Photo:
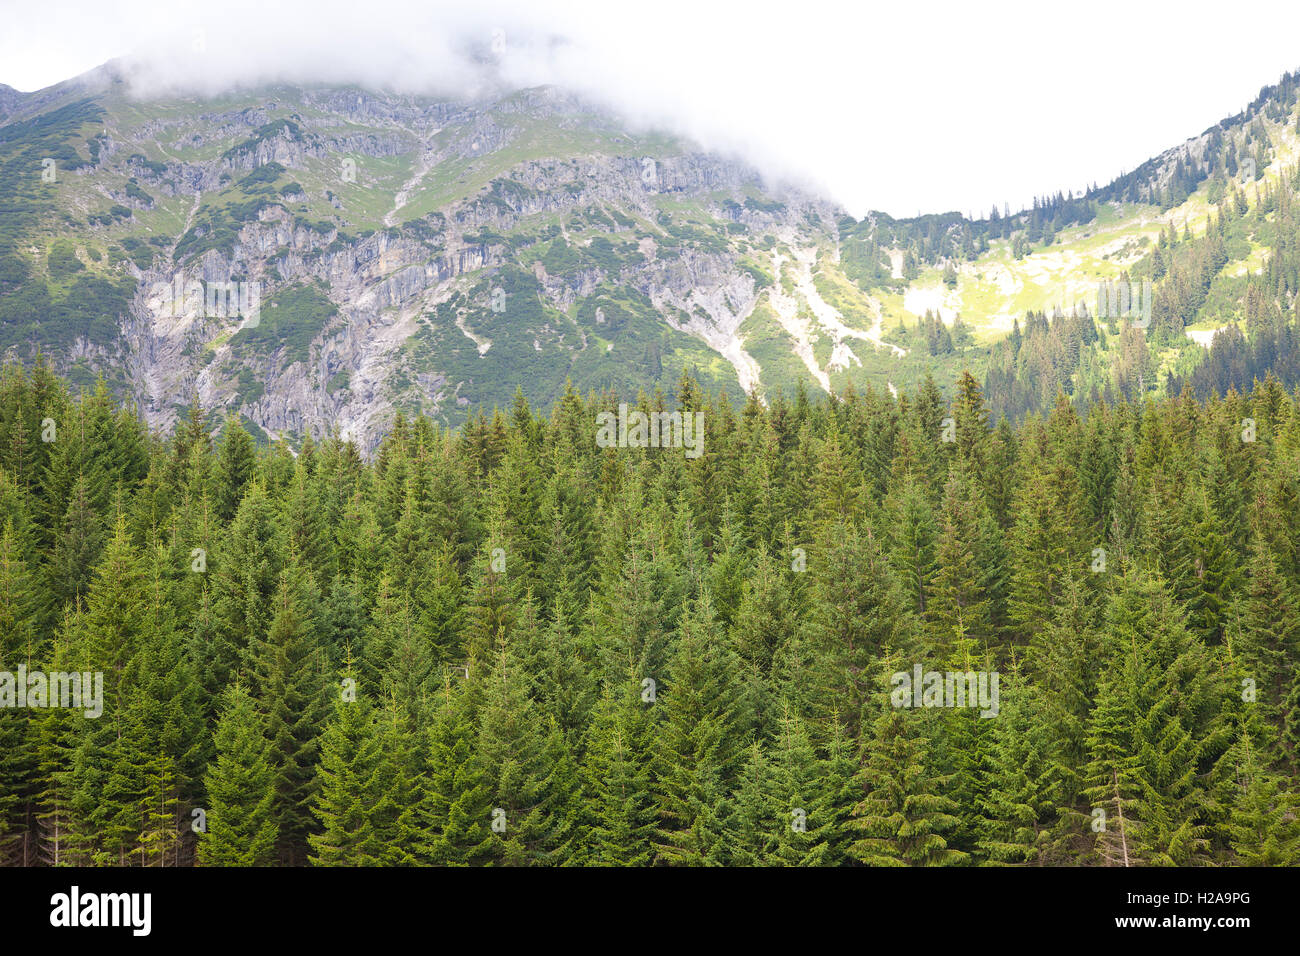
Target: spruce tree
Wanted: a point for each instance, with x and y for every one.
(354, 798)
(240, 827)
(903, 817)
(699, 746)
(619, 812)
(290, 688)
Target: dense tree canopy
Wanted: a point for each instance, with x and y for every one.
(508, 645)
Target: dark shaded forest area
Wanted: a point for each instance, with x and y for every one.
(507, 645)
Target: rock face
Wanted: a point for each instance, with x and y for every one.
(412, 254)
(9, 100)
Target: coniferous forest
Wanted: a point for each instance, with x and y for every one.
(508, 645)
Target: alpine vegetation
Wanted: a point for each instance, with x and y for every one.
(504, 644)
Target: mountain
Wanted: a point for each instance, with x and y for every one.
(431, 255)
(9, 99)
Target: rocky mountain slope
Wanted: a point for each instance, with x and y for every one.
(409, 253)
(421, 254)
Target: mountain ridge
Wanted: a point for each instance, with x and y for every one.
(385, 229)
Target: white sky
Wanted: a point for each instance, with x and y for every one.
(906, 107)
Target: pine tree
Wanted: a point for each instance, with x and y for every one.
(516, 744)
(236, 462)
(1063, 662)
(289, 686)
(804, 798)
(240, 826)
(17, 648)
(857, 618)
(1154, 733)
(903, 817)
(399, 657)
(1016, 803)
(1045, 551)
(619, 811)
(968, 581)
(912, 534)
(698, 748)
(247, 574)
(454, 813)
(1264, 824)
(355, 796)
(766, 617)
(490, 610)
(1267, 633)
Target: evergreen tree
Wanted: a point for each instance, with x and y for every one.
(290, 689)
(356, 795)
(455, 807)
(619, 812)
(1264, 826)
(240, 827)
(698, 748)
(903, 816)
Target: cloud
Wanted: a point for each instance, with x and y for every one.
(904, 107)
